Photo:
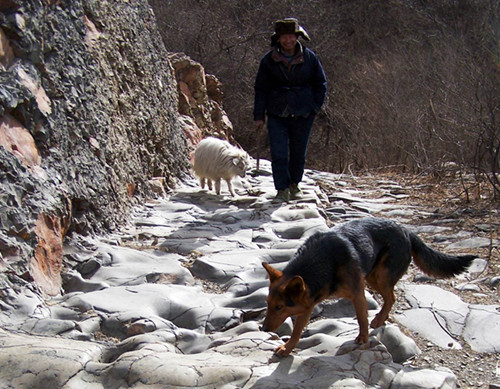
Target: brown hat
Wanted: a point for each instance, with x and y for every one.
(288, 26)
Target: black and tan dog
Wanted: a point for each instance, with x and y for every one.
(339, 262)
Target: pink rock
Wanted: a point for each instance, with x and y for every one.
(17, 140)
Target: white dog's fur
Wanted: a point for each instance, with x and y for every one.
(216, 159)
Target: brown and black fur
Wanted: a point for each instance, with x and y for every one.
(339, 262)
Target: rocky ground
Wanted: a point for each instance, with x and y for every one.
(175, 299)
(465, 207)
(482, 218)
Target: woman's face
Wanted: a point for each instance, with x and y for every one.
(288, 42)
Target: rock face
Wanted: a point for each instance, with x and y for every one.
(200, 101)
(89, 115)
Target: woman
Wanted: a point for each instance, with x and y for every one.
(290, 88)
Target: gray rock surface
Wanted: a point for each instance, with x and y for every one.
(176, 298)
(88, 115)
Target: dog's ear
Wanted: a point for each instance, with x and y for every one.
(295, 287)
(272, 272)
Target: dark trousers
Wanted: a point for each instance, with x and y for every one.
(288, 138)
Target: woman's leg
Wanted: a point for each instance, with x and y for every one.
(278, 141)
(299, 138)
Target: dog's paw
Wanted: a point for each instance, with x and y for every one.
(377, 322)
(361, 339)
(282, 351)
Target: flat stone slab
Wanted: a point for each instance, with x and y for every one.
(443, 318)
(483, 328)
(26, 361)
(473, 243)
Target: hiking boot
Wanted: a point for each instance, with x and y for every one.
(282, 196)
(295, 192)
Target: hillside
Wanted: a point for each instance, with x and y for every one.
(413, 85)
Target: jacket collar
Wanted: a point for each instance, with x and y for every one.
(297, 58)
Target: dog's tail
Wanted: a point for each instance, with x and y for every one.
(435, 263)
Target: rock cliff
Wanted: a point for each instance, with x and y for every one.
(89, 124)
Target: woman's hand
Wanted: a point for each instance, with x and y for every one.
(259, 124)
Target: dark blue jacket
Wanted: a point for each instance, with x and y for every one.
(289, 88)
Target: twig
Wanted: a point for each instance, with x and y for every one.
(490, 248)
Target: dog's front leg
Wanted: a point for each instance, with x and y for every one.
(300, 323)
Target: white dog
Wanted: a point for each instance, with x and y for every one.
(216, 159)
